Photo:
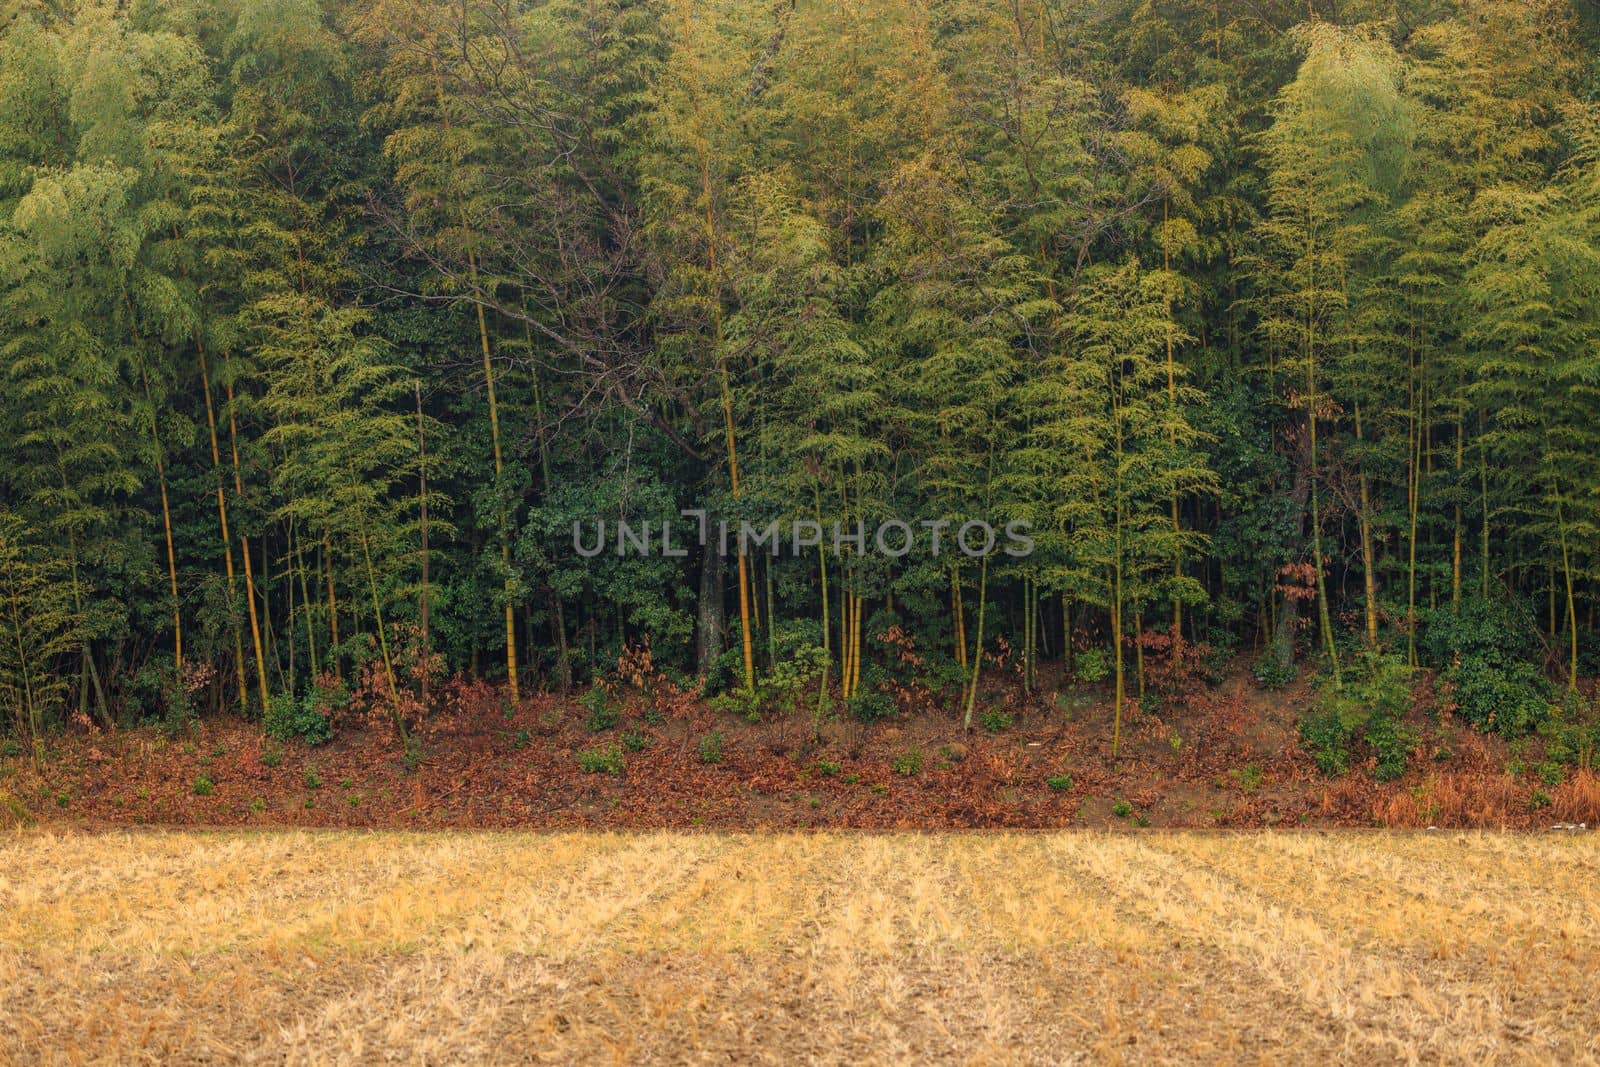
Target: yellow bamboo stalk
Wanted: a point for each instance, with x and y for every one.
(244, 546)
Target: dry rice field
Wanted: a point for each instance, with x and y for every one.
(310, 948)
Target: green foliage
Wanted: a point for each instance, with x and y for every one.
(711, 747)
(635, 741)
(1328, 734)
(1572, 744)
(745, 703)
(1369, 709)
(1508, 699)
(1496, 631)
(1122, 809)
(907, 764)
(995, 721)
(606, 759)
(725, 673)
(1259, 317)
(204, 786)
(871, 703)
(602, 709)
(1272, 673)
(1060, 783)
(289, 718)
(1092, 666)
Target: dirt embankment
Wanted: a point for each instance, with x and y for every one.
(1229, 757)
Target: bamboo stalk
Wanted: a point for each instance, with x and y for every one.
(244, 546)
(222, 516)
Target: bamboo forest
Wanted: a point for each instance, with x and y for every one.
(337, 334)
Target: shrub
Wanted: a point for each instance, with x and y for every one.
(1272, 672)
(313, 780)
(1392, 742)
(289, 717)
(204, 786)
(790, 678)
(995, 721)
(1060, 782)
(870, 703)
(607, 759)
(1092, 665)
(1572, 743)
(1249, 777)
(602, 709)
(1485, 650)
(725, 672)
(828, 768)
(745, 703)
(635, 741)
(1122, 809)
(1497, 631)
(1508, 699)
(1370, 709)
(711, 747)
(938, 672)
(1327, 735)
(908, 764)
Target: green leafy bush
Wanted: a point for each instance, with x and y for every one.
(711, 747)
(725, 672)
(1574, 744)
(204, 786)
(1392, 742)
(1061, 783)
(1369, 709)
(870, 703)
(995, 721)
(607, 759)
(1122, 809)
(635, 741)
(602, 709)
(782, 687)
(908, 764)
(1485, 651)
(1092, 665)
(1509, 699)
(1272, 673)
(289, 717)
(1328, 734)
(1498, 631)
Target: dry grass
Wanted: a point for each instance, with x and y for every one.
(574, 948)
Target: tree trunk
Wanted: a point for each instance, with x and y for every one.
(711, 628)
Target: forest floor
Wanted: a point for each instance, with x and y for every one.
(577, 947)
(1230, 756)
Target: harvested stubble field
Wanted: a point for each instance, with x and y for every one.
(304, 947)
